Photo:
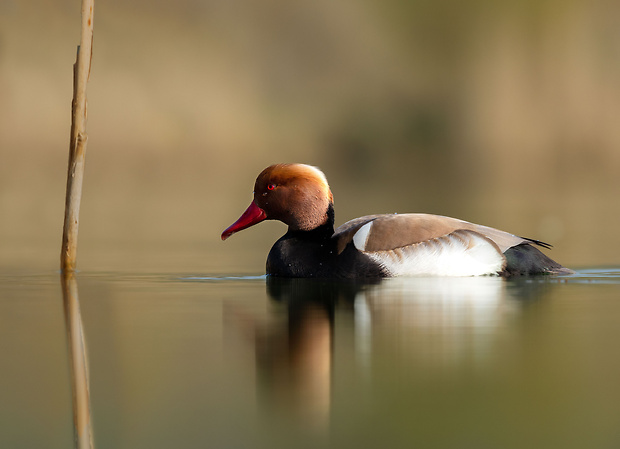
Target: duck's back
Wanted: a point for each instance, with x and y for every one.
(423, 244)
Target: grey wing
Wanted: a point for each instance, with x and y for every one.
(387, 232)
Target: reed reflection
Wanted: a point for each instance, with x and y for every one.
(78, 362)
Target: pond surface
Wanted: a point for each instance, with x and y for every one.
(191, 360)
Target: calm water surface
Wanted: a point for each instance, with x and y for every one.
(192, 360)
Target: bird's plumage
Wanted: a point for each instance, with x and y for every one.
(377, 245)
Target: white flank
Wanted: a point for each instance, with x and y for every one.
(361, 236)
(462, 253)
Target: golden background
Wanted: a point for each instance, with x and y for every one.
(501, 113)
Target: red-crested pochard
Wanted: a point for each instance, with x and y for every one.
(377, 245)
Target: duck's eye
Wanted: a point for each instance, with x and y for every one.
(271, 186)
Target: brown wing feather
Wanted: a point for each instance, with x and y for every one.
(344, 233)
(399, 230)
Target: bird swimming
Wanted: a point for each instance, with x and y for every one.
(377, 246)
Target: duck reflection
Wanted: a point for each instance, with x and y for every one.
(78, 361)
(431, 321)
(294, 358)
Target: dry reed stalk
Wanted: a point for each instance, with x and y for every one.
(77, 145)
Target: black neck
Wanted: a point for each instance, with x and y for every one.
(323, 232)
(331, 216)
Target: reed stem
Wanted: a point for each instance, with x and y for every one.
(77, 144)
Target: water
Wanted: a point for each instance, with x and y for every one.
(234, 361)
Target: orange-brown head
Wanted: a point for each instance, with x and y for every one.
(296, 194)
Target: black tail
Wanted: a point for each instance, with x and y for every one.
(525, 259)
(539, 243)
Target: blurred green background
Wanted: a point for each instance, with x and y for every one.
(501, 113)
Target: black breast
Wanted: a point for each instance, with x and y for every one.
(292, 256)
(311, 254)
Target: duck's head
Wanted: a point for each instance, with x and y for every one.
(296, 194)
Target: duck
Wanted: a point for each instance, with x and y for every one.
(377, 246)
